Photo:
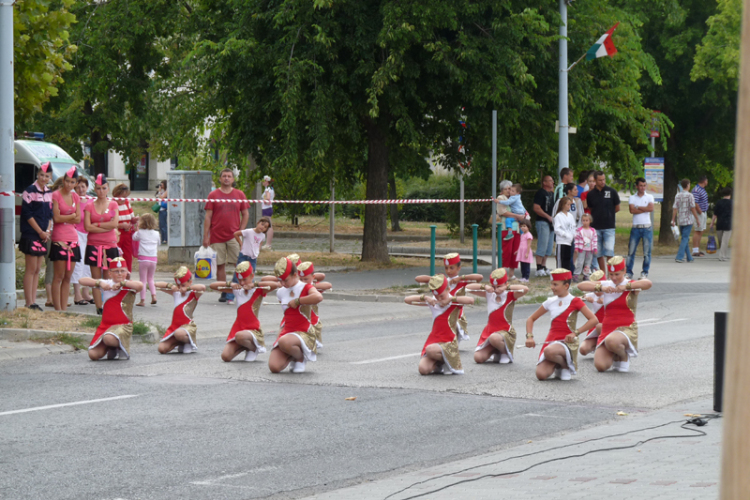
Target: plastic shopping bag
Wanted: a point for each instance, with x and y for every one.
(676, 232)
(711, 246)
(205, 263)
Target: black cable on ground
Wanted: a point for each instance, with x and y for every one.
(698, 421)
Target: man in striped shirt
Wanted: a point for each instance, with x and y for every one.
(701, 206)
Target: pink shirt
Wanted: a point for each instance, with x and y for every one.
(108, 239)
(80, 227)
(524, 248)
(65, 231)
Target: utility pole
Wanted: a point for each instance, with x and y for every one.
(562, 145)
(493, 229)
(7, 174)
(735, 463)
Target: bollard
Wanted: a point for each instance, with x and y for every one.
(499, 245)
(720, 337)
(474, 228)
(432, 250)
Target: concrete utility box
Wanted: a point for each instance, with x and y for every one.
(186, 219)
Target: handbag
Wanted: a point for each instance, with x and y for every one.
(711, 245)
(156, 207)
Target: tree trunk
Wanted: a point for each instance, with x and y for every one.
(374, 243)
(670, 191)
(98, 154)
(393, 207)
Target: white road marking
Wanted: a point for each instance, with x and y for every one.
(50, 407)
(662, 322)
(367, 362)
(215, 481)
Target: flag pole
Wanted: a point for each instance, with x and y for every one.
(579, 60)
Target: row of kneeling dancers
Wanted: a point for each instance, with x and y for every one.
(608, 306)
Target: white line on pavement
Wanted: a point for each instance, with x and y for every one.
(367, 362)
(662, 322)
(49, 407)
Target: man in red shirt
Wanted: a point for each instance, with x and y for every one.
(222, 220)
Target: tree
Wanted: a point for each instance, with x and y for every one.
(41, 52)
(702, 111)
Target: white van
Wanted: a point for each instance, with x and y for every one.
(29, 156)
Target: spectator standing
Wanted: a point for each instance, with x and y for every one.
(544, 200)
(101, 218)
(686, 214)
(576, 205)
(266, 207)
(126, 225)
(583, 184)
(566, 177)
(565, 231)
(148, 255)
(82, 295)
(221, 222)
(641, 205)
(604, 203)
(162, 194)
(36, 225)
(250, 241)
(590, 183)
(701, 206)
(510, 240)
(723, 220)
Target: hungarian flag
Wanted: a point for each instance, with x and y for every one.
(604, 46)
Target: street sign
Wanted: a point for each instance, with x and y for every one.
(654, 173)
(655, 125)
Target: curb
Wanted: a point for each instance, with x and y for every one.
(21, 334)
(362, 298)
(466, 253)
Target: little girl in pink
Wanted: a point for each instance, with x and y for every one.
(524, 254)
(149, 239)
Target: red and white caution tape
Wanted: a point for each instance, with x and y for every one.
(304, 202)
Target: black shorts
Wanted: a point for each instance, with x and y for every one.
(58, 252)
(34, 247)
(92, 252)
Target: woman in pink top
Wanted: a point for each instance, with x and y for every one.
(66, 213)
(101, 219)
(82, 294)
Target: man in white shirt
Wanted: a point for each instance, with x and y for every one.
(641, 206)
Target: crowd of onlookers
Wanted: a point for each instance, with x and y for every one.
(576, 221)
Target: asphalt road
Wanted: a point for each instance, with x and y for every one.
(200, 428)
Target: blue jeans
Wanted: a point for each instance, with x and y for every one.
(242, 258)
(545, 238)
(163, 224)
(636, 235)
(606, 242)
(684, 250)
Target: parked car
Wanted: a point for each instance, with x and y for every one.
(29, 155)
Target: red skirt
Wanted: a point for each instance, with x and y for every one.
(126, 245)
(510, 247)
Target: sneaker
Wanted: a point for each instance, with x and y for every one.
(504, 359)
(586, 271)
(644, 276)
(621, 366)
(298, 367)
(629, 276)
(538, 273)
(250, 356)
(230, 302)
(318, 345)
(223, 297)
(187, 349)
(576, 279)
(565, 374)
(545, 272)
(463, 336)
(679, 261)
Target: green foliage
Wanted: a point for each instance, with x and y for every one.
(434, 187)
(41, 51)
(718, 56)
(72, 340)
(91, 321)
(141, 328)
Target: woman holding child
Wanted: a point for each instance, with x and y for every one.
(510, 212)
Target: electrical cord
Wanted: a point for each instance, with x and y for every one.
(697, 421)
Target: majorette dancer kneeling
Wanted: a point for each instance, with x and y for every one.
(440, 352)
(498, 337)
(456, 287)
(618, 341)
(246, 333)
(182, 331)
(112, 337)
(595, 303)
(307, 274)
(296, 341)
(559, 353)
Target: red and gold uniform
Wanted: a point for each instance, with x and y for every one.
(564, 314)
(299, 321)
(182, 317)
(499, 320)
(444, 333)
(458, 290)
(248, 307)
(117, 318)
(620, 316)
(597, 307)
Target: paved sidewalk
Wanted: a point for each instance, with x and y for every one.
(680, 468)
